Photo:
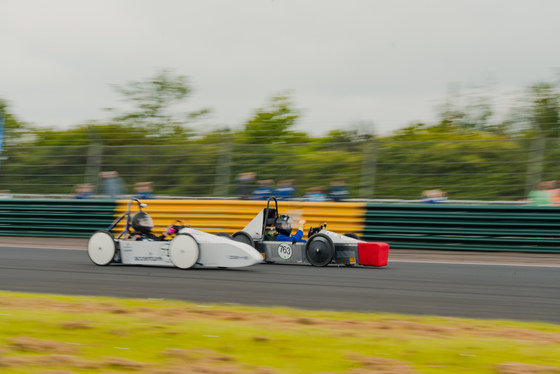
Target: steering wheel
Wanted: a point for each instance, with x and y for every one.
(313, 231)
(177, 226)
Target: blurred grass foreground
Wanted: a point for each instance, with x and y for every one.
(64, 334)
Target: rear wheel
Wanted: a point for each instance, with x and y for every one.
(320, 250)
(352, 235)
(184, 251)
(243, 237)
(102, 248)
(223, 234)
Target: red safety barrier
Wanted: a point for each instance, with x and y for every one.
(373, 254)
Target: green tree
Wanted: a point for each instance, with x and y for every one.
(340, 136)
(466, 163)
(544, 110)
(14, 129)
(471, 111)
(272, 124)
(153, 99)
(535, 112)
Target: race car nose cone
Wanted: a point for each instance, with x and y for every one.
(255, 255)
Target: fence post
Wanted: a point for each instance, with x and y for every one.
(369, 164)
(2, 121)
(535, 164)
(95, 153)
(223, 169)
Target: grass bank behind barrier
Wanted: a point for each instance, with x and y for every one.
(69, 334)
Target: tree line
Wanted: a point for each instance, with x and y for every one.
(467, 153)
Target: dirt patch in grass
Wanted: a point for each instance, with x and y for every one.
(519, 368)
(122, 363)
(28, 344)
(380, 365)
(74, 325)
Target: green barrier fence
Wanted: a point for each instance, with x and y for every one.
(56, 217)
(413, 226)
(464, 227)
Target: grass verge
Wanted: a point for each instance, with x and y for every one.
(71, 334)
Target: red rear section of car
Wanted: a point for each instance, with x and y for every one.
(373, 254)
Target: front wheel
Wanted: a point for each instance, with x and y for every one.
(320, 250)
(102, 248)
(184, 251)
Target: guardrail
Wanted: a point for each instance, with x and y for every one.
(233, 215)
(412, 226)
(464, 227)
(59, 218)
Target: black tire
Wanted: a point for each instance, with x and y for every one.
(223, 234)
(243, 237)
(352, 235)
(319, 250)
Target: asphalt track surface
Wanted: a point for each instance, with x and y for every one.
(520, 292)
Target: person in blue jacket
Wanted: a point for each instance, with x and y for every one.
(264, 190)
(284, 229)
(144, 190)
(338, 190)
(285, 190)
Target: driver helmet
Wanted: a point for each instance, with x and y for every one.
(142, 222)
(284, 224)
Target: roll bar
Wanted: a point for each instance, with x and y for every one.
(267, 212)
(126, 214)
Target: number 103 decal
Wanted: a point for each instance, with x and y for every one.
(285, 251)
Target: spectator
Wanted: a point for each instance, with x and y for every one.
(244, 181)
(264, 191)
(111, 184)
(144, 190)
(540, 196)
(338, 190)
(553, 193)
(285, 190)
(434, 197)
(83, 191)
(315, 194)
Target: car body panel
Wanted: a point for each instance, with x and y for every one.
(205, 250)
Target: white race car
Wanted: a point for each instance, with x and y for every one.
(188, 248)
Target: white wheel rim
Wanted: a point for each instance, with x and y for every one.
(183, 251)
(101, 248)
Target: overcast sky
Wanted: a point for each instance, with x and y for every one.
(384, 62)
